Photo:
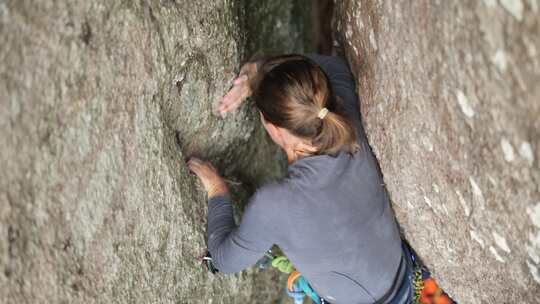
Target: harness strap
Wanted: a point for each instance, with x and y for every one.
(297, 283)
(292, 278)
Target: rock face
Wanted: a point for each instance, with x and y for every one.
(100, 104)
(451, 104)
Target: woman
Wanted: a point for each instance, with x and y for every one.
(331, 214)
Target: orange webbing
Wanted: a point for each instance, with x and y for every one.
(292, 278)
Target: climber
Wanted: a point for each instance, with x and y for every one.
(330, 214)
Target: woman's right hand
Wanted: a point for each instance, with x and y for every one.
(213, 183)
(240, 91)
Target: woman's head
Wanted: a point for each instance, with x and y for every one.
(293, 93)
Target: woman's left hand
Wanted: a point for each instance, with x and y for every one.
(240, 91)
(209, 176)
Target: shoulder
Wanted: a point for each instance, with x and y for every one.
(333, 66)
(325, 60)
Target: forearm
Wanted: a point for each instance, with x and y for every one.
(232, 247)
(220, 221)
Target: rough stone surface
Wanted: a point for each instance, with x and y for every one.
(451, 102)
(275, 27)
(100, 104)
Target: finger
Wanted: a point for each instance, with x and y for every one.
(194, 164)
(228, 98)
(195, 167)
(225, 101)
(226, 109)
(203, 164)
(210, 166)
(233, 105)
(233, 93)
(194, 161)
(245, 68)
(232, 99)
(230, 107)
(240, 79)
(220, 108)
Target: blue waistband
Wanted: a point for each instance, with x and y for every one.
(405, 291)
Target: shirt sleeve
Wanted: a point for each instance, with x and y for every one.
(234, 248)
(343, 85)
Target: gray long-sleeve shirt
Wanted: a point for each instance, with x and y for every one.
(330, 215)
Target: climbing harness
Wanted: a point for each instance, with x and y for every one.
(297, 286)
(418, 282)
(206, 260)
(426, 289)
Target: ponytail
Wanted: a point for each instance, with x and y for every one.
(336, 133)
(291, 92)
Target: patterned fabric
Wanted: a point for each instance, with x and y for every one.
(426, 289)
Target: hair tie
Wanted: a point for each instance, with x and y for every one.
(322, 113)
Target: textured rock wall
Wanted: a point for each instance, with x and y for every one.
(451, 101)
(100, 103)
(275, 27)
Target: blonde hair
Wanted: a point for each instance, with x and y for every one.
(291, 91)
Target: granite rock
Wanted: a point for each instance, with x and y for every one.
(101, 102)
(450, 99)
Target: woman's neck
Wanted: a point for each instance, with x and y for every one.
(294, 155)
(296, 148)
